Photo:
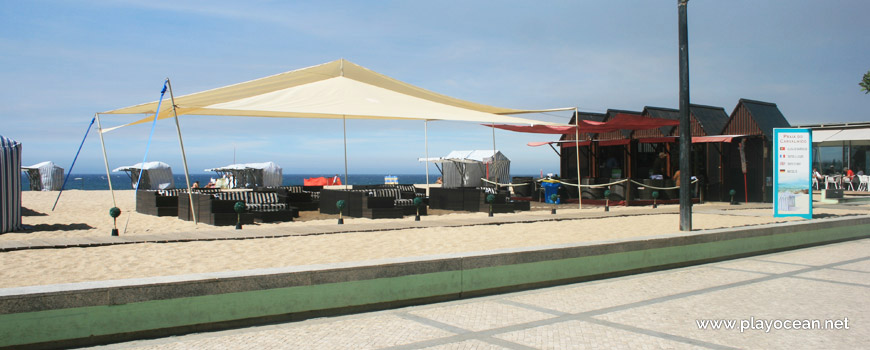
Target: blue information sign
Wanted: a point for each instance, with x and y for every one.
(792, 173)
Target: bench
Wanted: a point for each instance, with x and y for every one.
(219, 208)
(372, 203)
(304, 198)
(267, 206)
(473, 199)
(158, 203)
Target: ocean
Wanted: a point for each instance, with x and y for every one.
(92, 182)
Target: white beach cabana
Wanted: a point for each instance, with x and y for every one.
(467, 168)
(10, 185)
(250, 175)
(45, 176)
(155, 175)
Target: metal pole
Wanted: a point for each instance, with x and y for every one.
(577, 153)
(183, 155)
(685, 123)
(106, 159)
(494, 157)
(426, 141)
(344, 128)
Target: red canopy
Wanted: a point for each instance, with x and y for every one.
(562, 143)
(620, 121)
(715, 138)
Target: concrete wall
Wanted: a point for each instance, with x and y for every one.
(106, 311)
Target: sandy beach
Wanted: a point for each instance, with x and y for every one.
(85, 214)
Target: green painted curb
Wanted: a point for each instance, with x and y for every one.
(61, 324)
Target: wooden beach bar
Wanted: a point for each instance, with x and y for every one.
(717, 139)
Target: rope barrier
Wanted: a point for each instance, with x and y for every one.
(502, 185)
(591, 186)
(660, 188)
(595, 185)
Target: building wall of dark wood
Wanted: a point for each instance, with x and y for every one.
(758, 164)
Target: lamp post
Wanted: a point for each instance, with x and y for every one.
(685, 122)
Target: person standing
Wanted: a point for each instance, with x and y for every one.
(658, 167)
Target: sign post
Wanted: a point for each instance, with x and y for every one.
(792, 173)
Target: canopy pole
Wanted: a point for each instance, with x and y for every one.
(426, 142)
(344, 131)
(183, 154)
(65, 179)
(494, 157)
(147, 148)
(105, 159)
(577, 154)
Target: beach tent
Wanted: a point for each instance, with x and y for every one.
(155, 176)
(45, 176)
(10, 185)
(338, 89)
(250, 175)
(467, 168)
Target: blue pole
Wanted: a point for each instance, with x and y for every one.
(153, 125)
(73, 163)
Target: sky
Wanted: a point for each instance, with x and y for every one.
(63, 61)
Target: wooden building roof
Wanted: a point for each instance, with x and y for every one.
(658, 112)
(595, 117)
(706, 120)
(619, 134)
(752, 117)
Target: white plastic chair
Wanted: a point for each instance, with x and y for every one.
(835, 180)
(847, 182)
(863, 186)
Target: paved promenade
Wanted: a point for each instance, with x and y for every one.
(767, 295)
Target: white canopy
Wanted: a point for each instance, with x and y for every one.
(836, 135)
(338, 89)
(148, 166)
(463, 157)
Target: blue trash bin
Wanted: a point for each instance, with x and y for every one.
(551, 188)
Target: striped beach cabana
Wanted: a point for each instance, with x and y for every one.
(156, 175)
(467, 168)
(251, 175)
(10, 185)
(45, 176)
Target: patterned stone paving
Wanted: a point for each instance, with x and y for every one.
(659, 310)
